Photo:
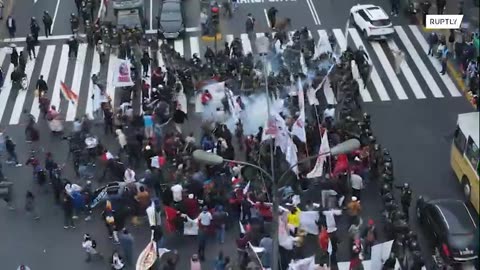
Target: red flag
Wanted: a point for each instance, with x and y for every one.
(171, 214)
(68, 94)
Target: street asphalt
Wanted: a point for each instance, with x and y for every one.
(418, 133)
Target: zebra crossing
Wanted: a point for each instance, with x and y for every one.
(419, 77)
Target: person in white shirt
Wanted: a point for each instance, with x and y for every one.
(129, 176)
(356, 182)
(177, 192)
(117, 262)
(90, 247)
(205, 217)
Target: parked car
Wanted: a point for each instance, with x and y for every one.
(451, 227)
(372, 21)
(171, 23)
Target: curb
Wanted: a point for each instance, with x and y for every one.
(451, 67)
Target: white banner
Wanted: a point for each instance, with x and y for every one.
(324, 148)
(303, 264)
(308, 221)
(122, 74)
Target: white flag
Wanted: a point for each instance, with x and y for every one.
(329, 248)
(246, 188)
(298, 128)
(291, 155)
(303, 264)
(324, 148)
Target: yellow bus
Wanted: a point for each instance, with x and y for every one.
(465, 155)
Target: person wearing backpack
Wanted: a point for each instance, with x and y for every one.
(90, 247)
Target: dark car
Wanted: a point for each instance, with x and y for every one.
(170, 19)
(451, 227)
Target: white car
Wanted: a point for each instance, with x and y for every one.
(372, 20)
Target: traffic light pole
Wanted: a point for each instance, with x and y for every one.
(215, 39)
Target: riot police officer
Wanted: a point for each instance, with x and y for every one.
(406, 198)
(34, 29)
(74, 23)
(72, 46)
(89, 33)
(47, 23)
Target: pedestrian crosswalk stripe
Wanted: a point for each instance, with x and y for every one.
(95, 70)
(397, 86)
(55, 65)
(247, 47)
(61, 74)
(45, 71)
(324, 37)
(432, 84)
(7, 88)
(77, 81)
(452, 88)
(147, 79)
(112, 65)
(377, 82)
(2, 56)
(329, 95)
(407, 72)
(22, 94)
(341, 40)
(178, 45)
(229, 38)
(161, 62)
(194, 46)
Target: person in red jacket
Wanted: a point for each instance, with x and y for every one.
(206, 97)
(341, 165)
(323, 239)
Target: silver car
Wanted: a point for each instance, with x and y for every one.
(171, 19)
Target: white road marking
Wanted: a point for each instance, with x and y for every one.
(194, 46)
(229, 38)
(61, 73)
(77, 81)
(323, 39)
(112, 65)
(407, 72)
(328, 92)
(313, 11)
(269, 64)
(151, 14)
(247, 47)
(452, 88)
(161, 63)
(377, 82)
(95, 70)
(178, 44)
(266, 17)
(7, 88)
(427, 76)
(55, 14)
(392, 77)
(342, 42)
(147, 80)
(45, 71)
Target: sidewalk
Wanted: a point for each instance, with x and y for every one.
(471, 20)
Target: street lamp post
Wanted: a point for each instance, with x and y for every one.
(263, 48)
(213, 159)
